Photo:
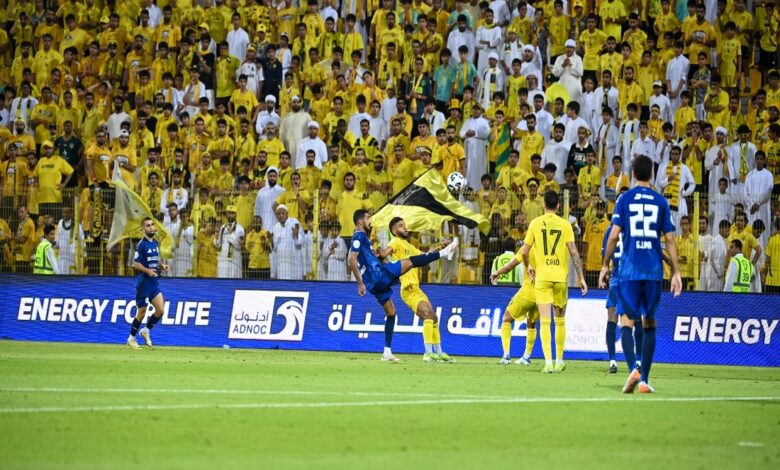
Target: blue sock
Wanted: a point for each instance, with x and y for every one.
(627, 340)
(134, 328)
(389, 328)
(152, 321)
(611, 333)
(648, 350)
(639, 334)
(424, 259)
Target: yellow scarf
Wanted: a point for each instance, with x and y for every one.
(672, 190)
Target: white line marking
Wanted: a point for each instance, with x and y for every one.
(230, 406)
(750, 444)
(198, 391)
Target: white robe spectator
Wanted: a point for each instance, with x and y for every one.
(572, 126)
(544, 123)
(228, 242)
(715, 160)
(687, 186)
(320, 151)
(179, 196)
(742, 160)
(492, 79)
(293, 129)
(713, 248)
(493, 36)
(183, 241)
(558, 154)
(606, 96)
(607, 141)
(570, 75)
(476, 149)
(288, 250)
(757, 198)
(676, 77)
(238, 40)
(459, 38)
(23, 108)
(665, 106)
(644, 147)
(334, 254)
(254, 80)
(67, 242)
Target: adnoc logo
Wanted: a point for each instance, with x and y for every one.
(268, 315)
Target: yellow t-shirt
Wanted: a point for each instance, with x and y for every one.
(547, 236)
(773, 260)
(402, 249)
(49, 172)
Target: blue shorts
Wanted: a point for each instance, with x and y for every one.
(613, 300)
(639, 299)
(144, 293)
(382, 288)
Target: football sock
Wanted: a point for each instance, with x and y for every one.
(427, 332)
(648, 350)
(135, 327)
(424, 259)
(153, 319)
(436, 338)
(546, 336)
(506, 336)
(627, 339)
(639, 333)
(530, 339)
(389, 328)
(611, 334)
(560, 337)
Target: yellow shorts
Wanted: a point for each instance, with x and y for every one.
(413, 296)
(521, 308)
(549, 292)
(728, 81)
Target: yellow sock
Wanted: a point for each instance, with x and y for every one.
(506, 336)
(560, 337)
(545, 335)
(530, 339)
(436, 334)
(428, 331)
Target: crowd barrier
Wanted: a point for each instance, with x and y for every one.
(696, 328)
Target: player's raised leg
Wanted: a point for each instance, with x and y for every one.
(424, 259)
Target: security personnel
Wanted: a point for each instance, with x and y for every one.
(740, 271)
(45, 259)
(514, 277)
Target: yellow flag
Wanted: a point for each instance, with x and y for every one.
(129, 213)
(425, 204)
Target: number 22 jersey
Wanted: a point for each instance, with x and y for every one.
(644, 217)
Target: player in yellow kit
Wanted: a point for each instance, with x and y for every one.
(522, 306)
(549, 236)
(412, 295)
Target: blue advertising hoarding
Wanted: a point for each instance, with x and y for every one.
(696, 328)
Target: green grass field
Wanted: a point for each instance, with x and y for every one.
(95, 406)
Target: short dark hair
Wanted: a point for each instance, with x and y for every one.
(392, 223)
(48, 228)
(642, 168)
(551, 200)
(358, 215)
(737, 243)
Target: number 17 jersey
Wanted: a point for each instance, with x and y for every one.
(547, 236)
(644, 217)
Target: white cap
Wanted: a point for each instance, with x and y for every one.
(493, 55)
(570, 43)
(528, 48)
(721, 130)
(295, 98)
(313, 124)
(280, 207)
(272, 168)
(124, 133)
(270, 98)
(658, 83)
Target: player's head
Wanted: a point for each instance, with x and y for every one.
(398, 228)
(642, 168)
(362, 220)
(551, 200)
(148, 225)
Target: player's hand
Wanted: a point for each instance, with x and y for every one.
(361, 289)
(583, 286)
(676, 284)
(152, 273)
(494, 278)
(531, 273)
(164, 267)
(603, 277)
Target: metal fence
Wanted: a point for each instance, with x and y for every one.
(209, 241)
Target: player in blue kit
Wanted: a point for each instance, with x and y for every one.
(642, 216)
(146, 261)
(614, 309)
(378, 278)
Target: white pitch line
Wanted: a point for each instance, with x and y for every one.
(198, 391)
(229, 406)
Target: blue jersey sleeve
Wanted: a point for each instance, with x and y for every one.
(665, 216)
(140, 254)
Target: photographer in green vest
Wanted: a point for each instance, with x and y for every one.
(45, 261)
(513, 277)
(740, 271)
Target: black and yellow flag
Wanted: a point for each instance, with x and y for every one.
(425, 204)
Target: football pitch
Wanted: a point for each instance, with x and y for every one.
(99, 406)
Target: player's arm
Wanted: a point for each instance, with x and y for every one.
(671, 247)
(140, 267)
(609, 250)
(353, 268)
(525, 250)
(575, 257)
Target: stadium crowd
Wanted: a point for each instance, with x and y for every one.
(245, 126)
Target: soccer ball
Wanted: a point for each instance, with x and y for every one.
(456, 183)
